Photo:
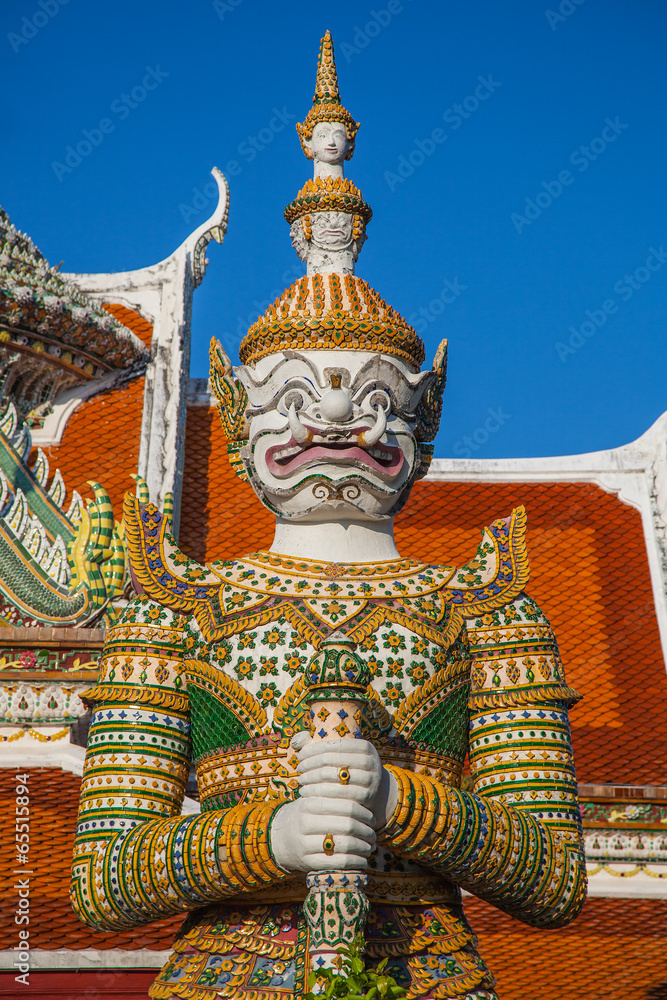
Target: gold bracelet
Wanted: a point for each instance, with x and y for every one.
(418, 798)
(261, 846)
(441, 820)
(245, 847)
(234, 867)
(405, 797)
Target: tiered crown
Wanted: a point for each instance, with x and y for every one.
(332, 310)
(331, 313)
(327, 106)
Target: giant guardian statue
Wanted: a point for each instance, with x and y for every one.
(329, 689)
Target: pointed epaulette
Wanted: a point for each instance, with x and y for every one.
(164, 572)
(499, 571)
(223, 596)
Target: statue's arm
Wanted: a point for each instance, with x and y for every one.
(136, 858)
(516, 839)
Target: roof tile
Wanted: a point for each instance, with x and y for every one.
(101, 442)
(54, 800)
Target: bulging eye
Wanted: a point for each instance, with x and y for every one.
(298, 397)
(376, 400)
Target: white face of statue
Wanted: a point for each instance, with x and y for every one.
(332, 433)
(332, 230)
(331, 242)
(329, 143)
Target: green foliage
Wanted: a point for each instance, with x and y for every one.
(351, 982)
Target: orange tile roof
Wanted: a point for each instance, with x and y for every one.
(614, 950)
(589, 573)
(101, 442)
(220, 514)
(54, 796)
(133, 320)
(81, 984)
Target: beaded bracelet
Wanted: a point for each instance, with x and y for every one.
(265, 856)
(431, 812)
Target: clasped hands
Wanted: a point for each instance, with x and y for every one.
(345, 795)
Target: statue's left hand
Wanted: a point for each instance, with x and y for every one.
(346, 769)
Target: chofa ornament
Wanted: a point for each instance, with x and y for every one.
(328, 691)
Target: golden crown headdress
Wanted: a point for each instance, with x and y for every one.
(327, 106)
(232, 404)
(331, 312)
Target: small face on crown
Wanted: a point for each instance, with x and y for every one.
(332, 230)
(329, 240)
(330, 143)
(332, 433)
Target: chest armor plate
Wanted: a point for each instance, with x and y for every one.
(247, 693)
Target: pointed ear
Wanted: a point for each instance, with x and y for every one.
(219, 358)
(430, 406)
(232, 403)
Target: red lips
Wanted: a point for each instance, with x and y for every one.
(335, 453)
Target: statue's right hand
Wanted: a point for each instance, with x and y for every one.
(300, 829)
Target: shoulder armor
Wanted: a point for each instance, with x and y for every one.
(164, 572)
(219, 594)
(499, 571)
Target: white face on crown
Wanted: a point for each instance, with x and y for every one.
(329, 143)
(332, 230)
(332, 246)
(332, 433)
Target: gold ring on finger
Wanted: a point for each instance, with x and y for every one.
(344, 775)
(328, 845)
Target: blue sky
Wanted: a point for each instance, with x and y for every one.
(530, 228)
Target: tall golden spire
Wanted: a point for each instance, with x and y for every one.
(326, 82)
(327, 106)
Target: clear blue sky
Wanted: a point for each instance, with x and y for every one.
(553, 80)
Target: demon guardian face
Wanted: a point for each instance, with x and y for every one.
(332, 434)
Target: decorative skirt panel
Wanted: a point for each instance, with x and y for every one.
(260, 952)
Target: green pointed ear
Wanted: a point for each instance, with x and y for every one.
(232, 404)
(429, 410)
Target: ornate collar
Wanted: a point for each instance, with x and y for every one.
(272, 573)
